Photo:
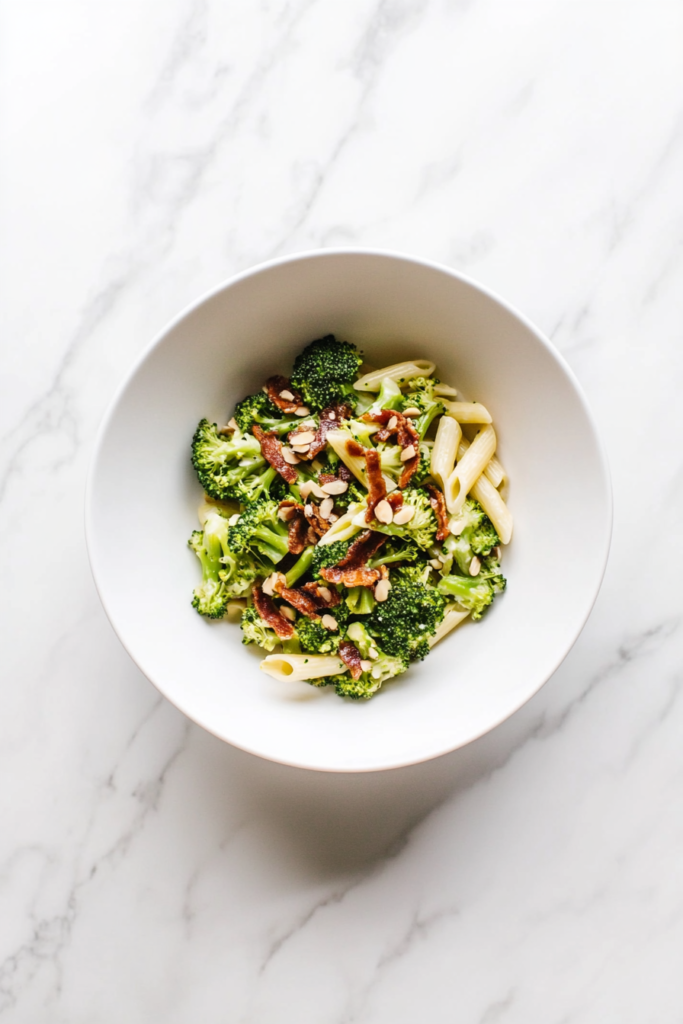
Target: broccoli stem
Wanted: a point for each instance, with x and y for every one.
(423, 422)
(395, 556)
(360, 600)
(459, 586)
(301, 566)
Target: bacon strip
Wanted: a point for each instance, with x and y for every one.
(303, 602)
(357, 576)
(406, 435)
(314, 590)
(271, 616)
(395, 499)
(362, 549)
(330, 419)
(298, 526)
(438, 503)
(271, 448)
(350, 655)
(377, 489)
(274, 385)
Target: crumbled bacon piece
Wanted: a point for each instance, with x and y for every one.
(350, 655)
(395, 500)
(271, 448)
(341, 412)
(274, 385)
(265, 607)
(315, 521)
(362, 548)
(406, 435)
(303, 602)
(314, 590)
(438, 503)
(297, 537)
(377, 489)
(356, 576)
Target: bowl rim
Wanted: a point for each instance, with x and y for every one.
(301, 256)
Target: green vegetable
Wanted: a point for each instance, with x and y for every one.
(232, 468)
(390, 397)
(325, 372)
(255, 630)
(325, 555)
(259, 531)
(384, 666)
(259, 409)
(473, 593)
(421, 529)
(472, 533)
(223, 577)
(301, 566)
(403, 624)
(360, 600)
(420, 395)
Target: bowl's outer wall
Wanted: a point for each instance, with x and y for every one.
(143, 497)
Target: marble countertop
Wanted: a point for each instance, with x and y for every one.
(147, 871)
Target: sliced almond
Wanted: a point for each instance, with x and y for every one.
(326, 507)
(408, 453)
(384, 512)
(267, 586)
(329, 622)
(234, 519)
(309, 487)
(286, 513)
(332, 415)
(436, 564)
(393, 422)
(287, 395)
(333, 518)
(382, 590)
(301, 449)
(373, 653)
(303, 437)
(366, 666)
(336, 487)
(411, 412)
(404, 515)
(289, 456)
(325, 594)
(288, 613)
(475, 566)
(497, 552)
(303, 410)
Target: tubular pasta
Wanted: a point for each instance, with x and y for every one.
(300, 667)
(468, 412)
(445, 449)
(469, 468)
(452, 618)
(491, 501)
(397, 371)
(445, 389)
(495, 472)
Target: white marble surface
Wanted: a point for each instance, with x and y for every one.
(149, 873)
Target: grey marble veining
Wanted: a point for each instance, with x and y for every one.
(149, 872)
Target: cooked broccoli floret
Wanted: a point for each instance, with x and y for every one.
(255, 630)
(390, 396)
(472, 533)
(424, 469)
(223, 574)
(232, 467)
(325, 555)
(420, 529)
(473, 593)
(403, 623)
(384, 666)
(352, 495)
(360, 600)
(397, 549)
(259, 409)
(315, 638)
(325, 371)
(259, 530)
(420, 395)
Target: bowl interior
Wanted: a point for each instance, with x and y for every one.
(143, 497)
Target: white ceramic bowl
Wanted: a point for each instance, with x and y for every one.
(142, 499)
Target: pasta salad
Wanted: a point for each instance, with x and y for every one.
(350, 520)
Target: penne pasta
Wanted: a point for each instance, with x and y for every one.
(469, 468)
(495, 473)
(300, 667)
(491, 501)
(344, 528)
(445, 389)
(399, 372)
(495, 508)
(468, 412)
(445, 449)
(452, 618)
